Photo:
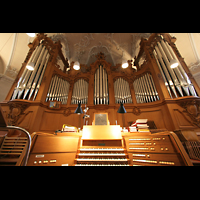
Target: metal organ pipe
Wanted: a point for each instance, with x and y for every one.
(122, 91)
(101, 86)
(184, 74)
(175, 78)
(97, 85)
(58, 90)
(145, 90)
(29, 82)
(80, 92)
(166, 73)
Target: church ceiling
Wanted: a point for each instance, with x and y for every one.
(84, 46)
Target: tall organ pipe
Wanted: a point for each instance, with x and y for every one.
(176, 69)
(122, 91)
(166, 71)
(80, 92)
(100, 86)
(58, 90)
(29, 82)
(189, 84)
(145, 90)
(174, 77)
(176, 82)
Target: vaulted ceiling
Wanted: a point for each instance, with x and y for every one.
(84, 46)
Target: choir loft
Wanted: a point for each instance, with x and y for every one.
(61, 113)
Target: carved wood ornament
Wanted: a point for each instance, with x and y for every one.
(192, 109)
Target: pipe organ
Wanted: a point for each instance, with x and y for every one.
(122, 91)
(168, 97)
(30, 81)
(151, 90)
(58, 90)
(145, 90)
(80, 92)
(176, 79)
(101, 94)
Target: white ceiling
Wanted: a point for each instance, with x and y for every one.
(83, 47)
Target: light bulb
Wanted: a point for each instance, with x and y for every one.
(31, 34)
(76, 65)
(124, 64)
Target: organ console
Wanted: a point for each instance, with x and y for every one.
(105, 145)
(44, 99)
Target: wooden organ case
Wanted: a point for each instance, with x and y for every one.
(44, 99)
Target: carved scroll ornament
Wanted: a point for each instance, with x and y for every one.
(192, 109)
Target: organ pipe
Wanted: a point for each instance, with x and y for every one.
(145, 90)
(122, 91)
(29, 82)
(175, 79)
(101, 86)
(58, 90)
(80, 92)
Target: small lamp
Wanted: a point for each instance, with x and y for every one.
(121, 109)
(124, 64)
(31, 34)
(173, 63)
(76, 65)
(30, 66)
(79, 109)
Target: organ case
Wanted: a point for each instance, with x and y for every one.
(169, 97)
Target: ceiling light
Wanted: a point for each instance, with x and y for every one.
(76, 65)
(173, 63)
(31, 34)
(30, 66)
(124, 64)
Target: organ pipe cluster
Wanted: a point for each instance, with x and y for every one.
(80, 92)
(122, 91)
(176, 79)
(30, 81)
(58, 90)
(145, 90)
(101, 95)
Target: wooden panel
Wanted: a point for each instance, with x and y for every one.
(102, 132)
(52, 159)
(164, 149)
(102, 143)
(52, 144)
(148, 159)
(150, 143)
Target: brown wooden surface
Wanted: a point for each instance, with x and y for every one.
(171, 114)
